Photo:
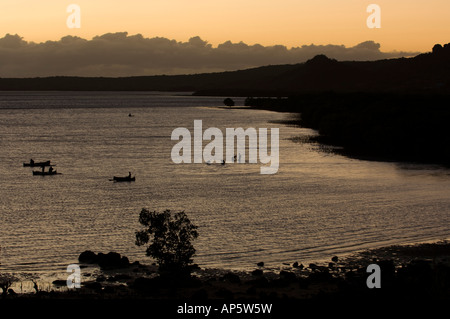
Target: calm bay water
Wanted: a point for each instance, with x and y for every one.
(316, 206)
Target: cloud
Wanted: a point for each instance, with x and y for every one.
(120, 54)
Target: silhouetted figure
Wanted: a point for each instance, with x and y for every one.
(31, 161)
(129, 174)
(50, 170)
(236, 159)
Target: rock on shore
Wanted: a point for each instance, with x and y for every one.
(111, 260)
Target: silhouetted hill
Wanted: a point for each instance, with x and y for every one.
(385, 110)
(425, 73)
(173, 83)
(428, 73)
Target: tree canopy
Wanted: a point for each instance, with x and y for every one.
(170, 237)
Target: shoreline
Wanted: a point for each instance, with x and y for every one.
(307, 283)
(403, 128)
(412, 270)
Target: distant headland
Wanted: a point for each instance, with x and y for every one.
(425, 73)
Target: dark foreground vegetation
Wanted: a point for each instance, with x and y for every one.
(385, 126)
(417, 272)
(406, 272)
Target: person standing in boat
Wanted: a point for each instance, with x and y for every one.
(50, 170)
(31, 162)
(129, 174)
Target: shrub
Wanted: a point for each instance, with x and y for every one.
(170, 237)
(228, 102)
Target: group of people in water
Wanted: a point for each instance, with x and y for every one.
(233, 159)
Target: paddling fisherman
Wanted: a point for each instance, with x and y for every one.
(50, 170)
(129, 174)
(31, 162)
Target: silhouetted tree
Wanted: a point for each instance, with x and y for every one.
(170, 236)
(228, 102)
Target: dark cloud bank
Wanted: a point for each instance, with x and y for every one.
(118, 54)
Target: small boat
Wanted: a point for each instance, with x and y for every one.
(209, 162)
(45, 173)
(36, 164)
(124, 179)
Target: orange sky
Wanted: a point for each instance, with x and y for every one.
(406, 25)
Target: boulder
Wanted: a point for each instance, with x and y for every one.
(88, 257)
(313, 266)
(112, 260)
